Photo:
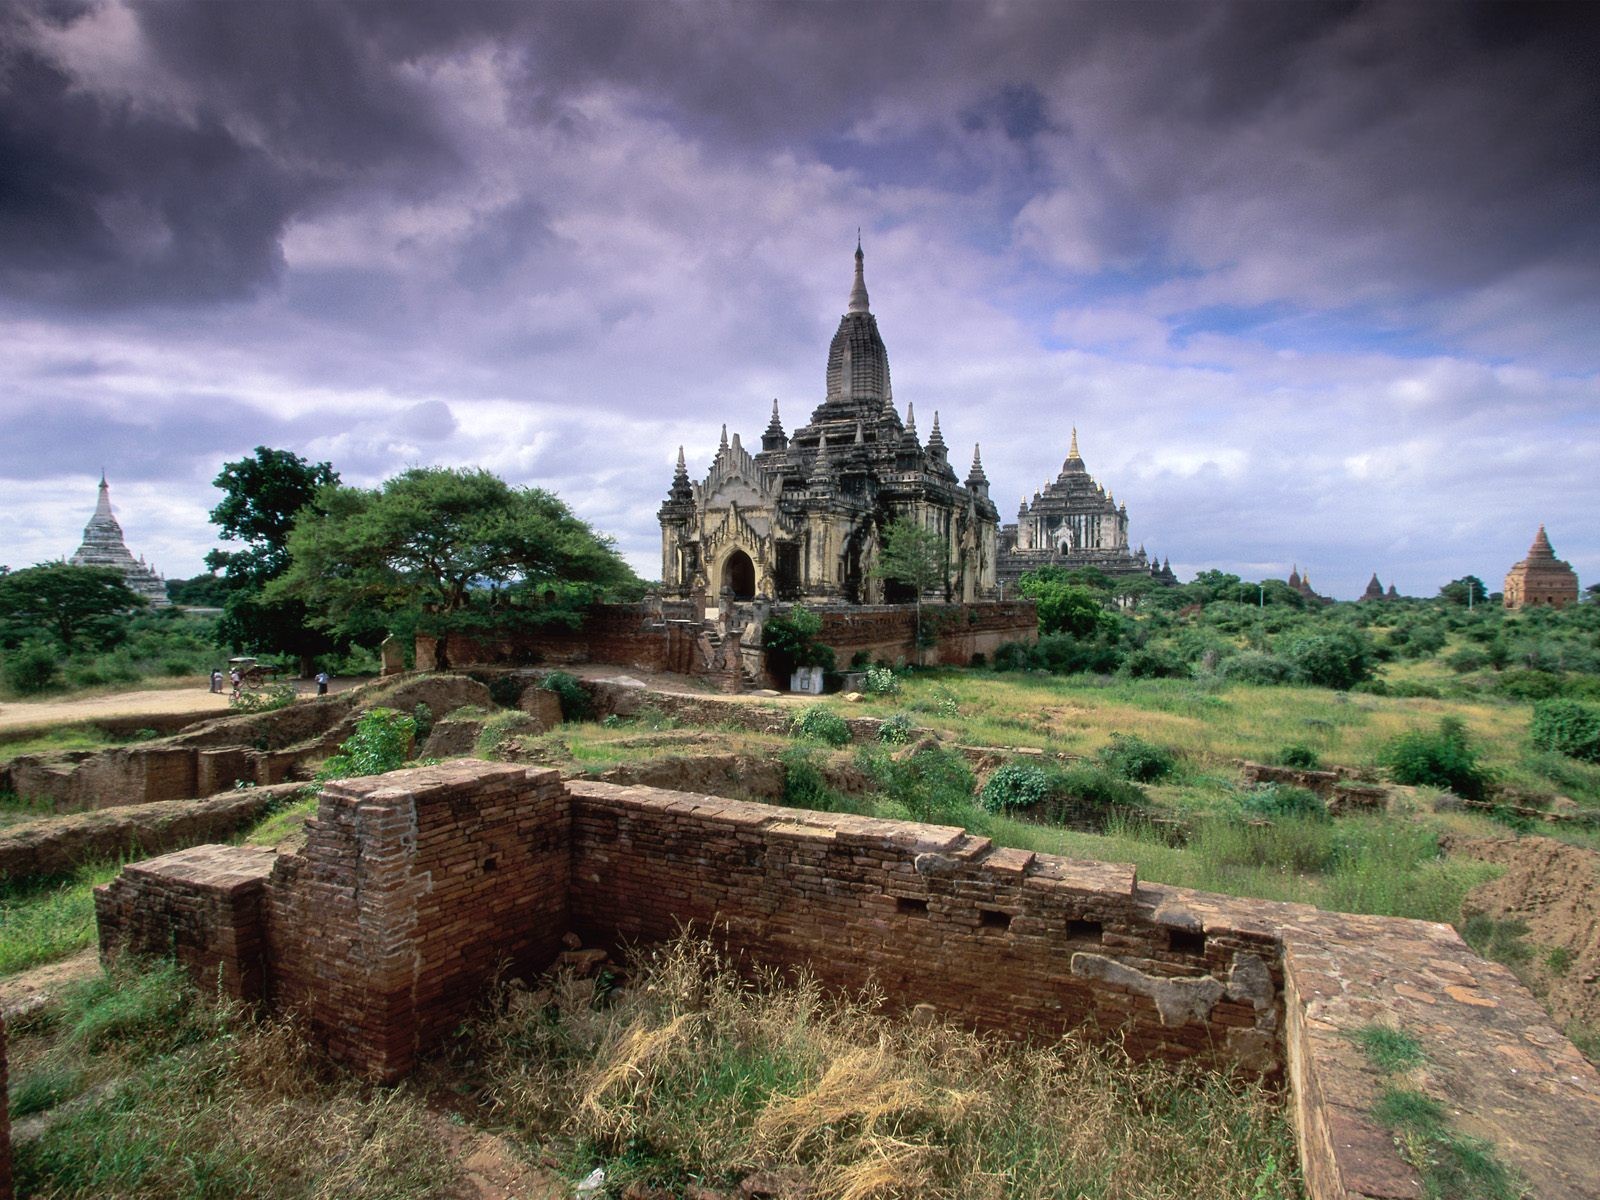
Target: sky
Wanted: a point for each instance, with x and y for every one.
(1317, 284)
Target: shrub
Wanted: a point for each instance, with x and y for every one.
(506, 690)
(1443, 758)
(804, 784)
(819, 724)
(1150, 663)
(576, 704)
(1131, 757)
(882, 681)
(1300, 756)
(1089, 786)
(1014, 656)
(1567, 727)
(1283, 800)
(1017, 785)
(1339, 660)
(423, 716)
(269, 699)
(897, 730)
(381, 742)
(932, 784)
(1252, 666)
(31, 668)
(1410, 689)
(789, 640)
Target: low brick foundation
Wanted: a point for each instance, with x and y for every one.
(58, 845)
(415, 889)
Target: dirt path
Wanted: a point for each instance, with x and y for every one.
(1553, 889)
(188, 696)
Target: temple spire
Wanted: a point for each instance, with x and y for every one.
(102, 506)
(858, 292)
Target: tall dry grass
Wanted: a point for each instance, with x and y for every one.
(698, 1073)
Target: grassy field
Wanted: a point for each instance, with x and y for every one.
(41, 922)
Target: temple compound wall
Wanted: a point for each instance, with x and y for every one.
(664, 637)
(416, 888)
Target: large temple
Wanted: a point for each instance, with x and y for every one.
(1541, 580)
(103, 547)
(1074, 522)
(803, 518)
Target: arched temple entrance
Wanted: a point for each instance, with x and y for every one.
(739, 576)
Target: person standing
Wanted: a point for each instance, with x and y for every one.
(322, 683)
(216, 680)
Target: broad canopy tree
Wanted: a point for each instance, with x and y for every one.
(915, 556)
(77, 607)
(437, 549)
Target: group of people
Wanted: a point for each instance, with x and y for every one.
(236, 678)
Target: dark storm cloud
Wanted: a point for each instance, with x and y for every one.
(46, 439)
(181, 193)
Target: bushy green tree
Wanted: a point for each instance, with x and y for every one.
(263, 496)
(436, 549)
(1339, 658)
(1443, 758)
(76, 607)
(1467, 591)
(1567, 727)
(1065, 607)
(915, 556)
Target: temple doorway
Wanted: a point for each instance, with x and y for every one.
(739, 576)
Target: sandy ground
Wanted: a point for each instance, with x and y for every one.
(190, 697)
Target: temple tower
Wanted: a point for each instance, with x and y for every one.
(103, 547)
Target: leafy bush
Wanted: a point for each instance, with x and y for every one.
(269, 699)
(1443, 758)
(1014, 656)
(933, 784)
(1339, 660)
(576, 704)
(1017, 785)
(897, 730)
(380, 743)
(1131, 757)
(804, 784)
(1567, 727)
(1087, 785)
(789, 640)
(423, 716)
(506, 690)
(820, 724)
(1252, 666)
(882, 681)
(1300, 756)
(1149, 662)
(1283, 800)
(31, 668)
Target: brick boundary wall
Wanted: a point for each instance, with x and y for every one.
(641, 637)
(417, 888)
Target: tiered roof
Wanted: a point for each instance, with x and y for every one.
(103, 547)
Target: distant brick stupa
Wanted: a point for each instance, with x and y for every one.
(103, 547)
(1541, 579)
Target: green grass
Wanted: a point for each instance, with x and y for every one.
(1453, 1166)
(283, 824)
(1357, 864)
(44, 921)
(182, 1097)
(66, 737)
(1389, 1050)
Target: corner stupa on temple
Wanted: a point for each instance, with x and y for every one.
(103, 547)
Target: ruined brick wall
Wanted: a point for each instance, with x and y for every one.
(412, 892)
(629, 635)
(203, 906)
(58, 845)
(888, 633)
(1000, 938)
(5, 1121)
